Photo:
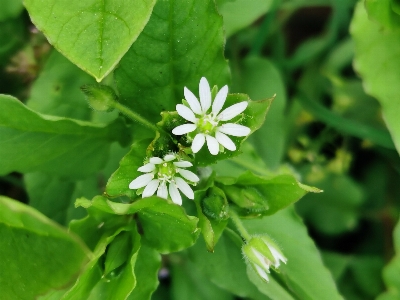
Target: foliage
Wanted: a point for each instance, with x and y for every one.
(292, 193)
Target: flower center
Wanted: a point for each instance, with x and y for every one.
(207, 124)
(166, 171)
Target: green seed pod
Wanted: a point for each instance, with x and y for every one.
(100, 97)
(215, 206)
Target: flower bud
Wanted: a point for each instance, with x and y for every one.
(215, 206)
(262, 253)
(100, 97)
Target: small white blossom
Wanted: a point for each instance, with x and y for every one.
(209, 121)
(167, 176)
(262, 253)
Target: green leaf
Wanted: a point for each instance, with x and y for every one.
(57, 89)
(118, 183)
(182, 42)
(391, 273)
(120, 283)
(276, 192)
(146, 271)
(50, 195)
(335, 210)
(189, 283)
(117, 252)
(98, 230)
(93, 34)
(10, 9)
(260, 79)
(239, 14)
(253, 117)
(58, 146)
(166, 227)
(211, 229)
(374, 53)
(304, 266)
(382, 12)
(32, 244)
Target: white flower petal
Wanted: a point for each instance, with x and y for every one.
(169, 157)
(198, 142)
(262, 273)
(147, 168)
(234, 129)
(183, 129)
(186, 113)
(192, 100)
(162, 191)
(205, 94)
(225, 141)
(156, 160)
(233, 111)
(220, 100)
(263, 261)
(278, 257)
(184, 187)
(188, 175)
(212, 144)
(183, 164)
(174, 193)
(151, 188)
(141, 181)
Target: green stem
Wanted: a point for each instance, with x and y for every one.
(136, 117)
(239, 225)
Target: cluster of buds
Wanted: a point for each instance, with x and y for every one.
(262, 253)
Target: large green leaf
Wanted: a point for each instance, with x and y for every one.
(33, 142)
(261, 79)
(375, 60)
(189, 283)
(10, 9)
(304, 266)
(182, 42)
(166, 226)
(57, 89)
(382, 12)
(99, 230)
(146, 271)
(93, 34)
(239, 14)
(36, 254)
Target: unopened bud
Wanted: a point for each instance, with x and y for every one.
(100, 97)
(262, 253)
(215, 206)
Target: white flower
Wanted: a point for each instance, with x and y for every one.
(262, 253)
(208, 119)
(166, 176)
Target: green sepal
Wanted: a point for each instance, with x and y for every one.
(211, 229)
(100, 97)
